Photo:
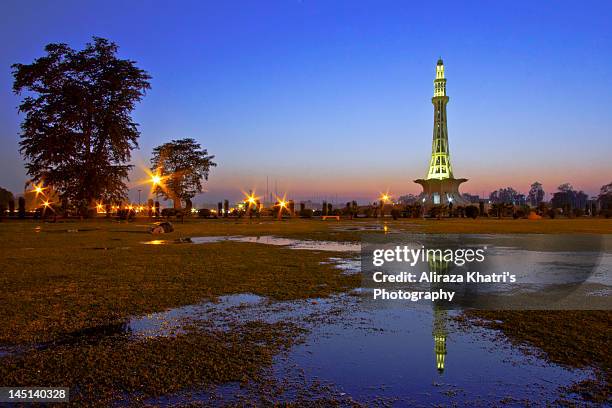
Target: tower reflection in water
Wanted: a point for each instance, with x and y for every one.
(440, 316)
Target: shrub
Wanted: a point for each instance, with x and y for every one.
(126, 214)
(520, 213)
(434, 211)
(471, 211)
(168, 212)
(395, 213)
(306, 213)
(204, 212)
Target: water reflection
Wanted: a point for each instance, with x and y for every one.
(304, 244)
(440, 315)
(439, 335)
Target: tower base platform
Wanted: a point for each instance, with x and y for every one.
(441, 192)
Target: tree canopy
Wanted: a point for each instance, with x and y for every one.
(78, 132)
(506, 195)
(605, 198)
(606, 190)
(181, 165)
(5, 197)
(536, 194)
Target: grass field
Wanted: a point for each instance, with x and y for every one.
(65, 278)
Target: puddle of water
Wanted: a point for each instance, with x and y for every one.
(333, 246)
(360, 228)
(409, 356)
(415, 356)
(349, 266)
(601, 292)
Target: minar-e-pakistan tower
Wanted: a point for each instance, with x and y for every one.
(440, 187)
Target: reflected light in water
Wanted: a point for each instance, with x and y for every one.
(156, 242)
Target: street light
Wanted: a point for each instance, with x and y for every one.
(384, 198)
(38, 189)
(281, 204)
(250, 200)
(46, 205)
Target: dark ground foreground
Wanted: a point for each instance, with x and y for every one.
(68, 288)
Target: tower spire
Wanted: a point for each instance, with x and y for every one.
(439, 165)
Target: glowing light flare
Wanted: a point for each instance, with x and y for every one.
(38, 189)
(385, 197)
(46, 204)
(155, 179)
(282, 203)
(250, 198)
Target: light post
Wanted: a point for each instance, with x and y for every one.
(250, 200)
(281, 204)
(384, 198)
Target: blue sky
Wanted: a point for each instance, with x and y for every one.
(333, 98)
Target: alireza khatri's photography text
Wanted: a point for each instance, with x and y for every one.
(305, 203)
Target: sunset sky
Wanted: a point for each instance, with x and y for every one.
(334, 98)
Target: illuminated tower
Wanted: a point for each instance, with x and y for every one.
(440, 187)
